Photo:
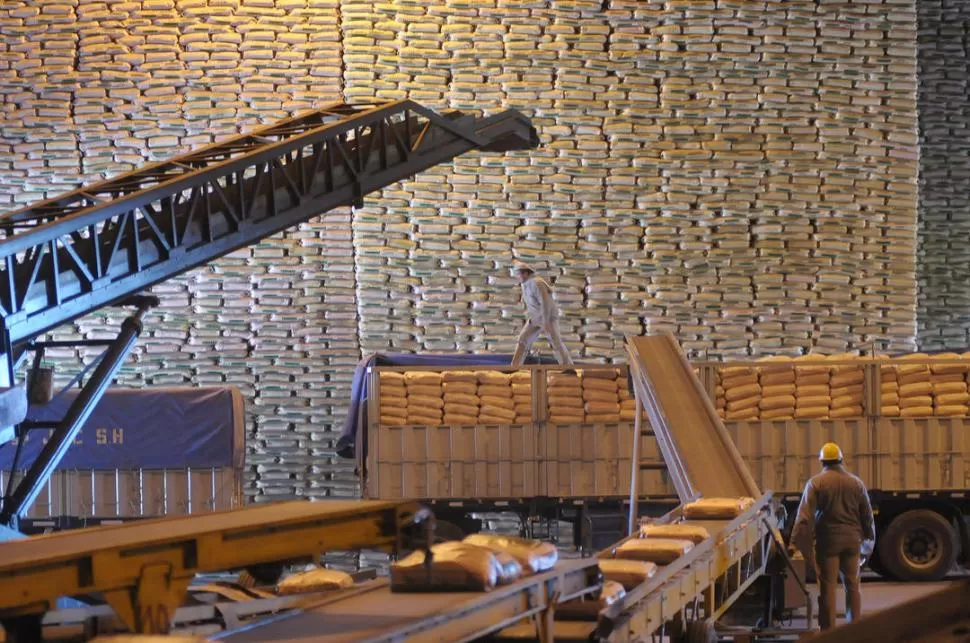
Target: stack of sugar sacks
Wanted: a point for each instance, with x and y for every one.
(720, 401)
(495, 396)
(425, 398)
(522, 396)
(915, 387)
(813, 399)
(601, 396)
(460, 397)
(393, 399)
(950, 396)
(888, 389)
(847, 387)
(565, 398)
(777, 388)
(742, 392)
(628, 402)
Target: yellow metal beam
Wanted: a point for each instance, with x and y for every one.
(143, 568)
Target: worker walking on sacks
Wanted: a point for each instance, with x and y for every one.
(835, 506)
(543, 317)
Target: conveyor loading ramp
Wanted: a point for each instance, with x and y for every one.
(103, 243)
(144, 568)
(698, 452)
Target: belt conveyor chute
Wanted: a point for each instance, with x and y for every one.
(700, 585)
(144, 568)
(372, 613)
(698, 452)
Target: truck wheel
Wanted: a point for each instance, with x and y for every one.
(875, 566)
(919, 545)
(700, 632)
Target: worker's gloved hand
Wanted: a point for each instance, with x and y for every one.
(867, 547)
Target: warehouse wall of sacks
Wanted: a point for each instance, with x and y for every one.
(944, 205)
(743, 174)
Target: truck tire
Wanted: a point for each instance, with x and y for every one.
(919, 546)
(701, 631)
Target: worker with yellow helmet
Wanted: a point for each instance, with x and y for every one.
(835, 507)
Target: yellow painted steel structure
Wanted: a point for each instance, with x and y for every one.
(143, 569)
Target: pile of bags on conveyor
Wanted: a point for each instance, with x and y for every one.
(480, 562)
(636, 559)
(428, 398)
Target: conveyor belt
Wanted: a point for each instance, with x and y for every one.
(700, 456)
(144, 568)
(372, 613)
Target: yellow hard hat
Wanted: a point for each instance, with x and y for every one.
(830, 453)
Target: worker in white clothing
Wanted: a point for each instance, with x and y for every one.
(543, 317)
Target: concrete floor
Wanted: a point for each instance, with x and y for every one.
(876, 597)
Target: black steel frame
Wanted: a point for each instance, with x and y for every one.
(96, 246)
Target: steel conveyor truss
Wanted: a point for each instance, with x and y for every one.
(103, 243)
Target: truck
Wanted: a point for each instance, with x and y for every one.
(917, 468)
(143, 453)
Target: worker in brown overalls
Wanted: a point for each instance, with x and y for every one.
(835, 505)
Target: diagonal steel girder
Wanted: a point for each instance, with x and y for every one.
(63, 258)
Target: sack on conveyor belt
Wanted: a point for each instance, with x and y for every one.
(694, 533)
(510, 570)
(660, 551)
(454, 567)
(315, 580)
(628, 573)
(587, 608)
(459, 376)
(534, 555)
(716, 508)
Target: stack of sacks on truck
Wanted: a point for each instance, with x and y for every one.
(495, 395)
(564, 393)
(461, 399)
(742, 392)
(777, 380)
(915, 387)
(888, 389)
(847, 387)
(628, 402)
(393, 399)
(720, 401)
(425, 398)
(522, 396)
(601, 396)
(950, 397)
(813, 399)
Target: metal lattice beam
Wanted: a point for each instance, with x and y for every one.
(68, 256)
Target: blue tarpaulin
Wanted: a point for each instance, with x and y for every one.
(357, 416)
(150, 428)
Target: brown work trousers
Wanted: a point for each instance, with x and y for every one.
(829, 569)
